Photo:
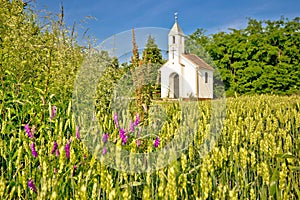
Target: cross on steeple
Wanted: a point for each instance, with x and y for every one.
(176, 16)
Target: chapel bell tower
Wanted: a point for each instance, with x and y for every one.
(176, 42)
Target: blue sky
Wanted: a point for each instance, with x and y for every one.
(115, 16)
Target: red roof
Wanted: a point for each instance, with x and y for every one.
(198, 61)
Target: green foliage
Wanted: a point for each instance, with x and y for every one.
(261, 58)
(107, 83)
(38, 65)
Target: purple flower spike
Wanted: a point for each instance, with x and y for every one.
(137, 119)
(33, 151)
(55, 145)
(116, 120)
(77, 133)
(138, 142)
(156, 143)
(31, 185)
(53, 113)
(123, 136)
(104, 150)
(131, 127)
(105, 138)
(122, 132)
(57, 152)
(124, 140)
(67, 149)
(27, 129)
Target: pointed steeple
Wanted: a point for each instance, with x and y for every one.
(176, 28)
(176, 42)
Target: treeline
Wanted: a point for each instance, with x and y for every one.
(261, 58)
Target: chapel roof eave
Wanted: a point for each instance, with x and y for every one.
(198, 61)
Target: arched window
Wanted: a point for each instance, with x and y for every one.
(206, 77)
(173, 39)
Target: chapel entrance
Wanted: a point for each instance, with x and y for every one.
(174, 85)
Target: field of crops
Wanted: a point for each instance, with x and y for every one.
(256, 156)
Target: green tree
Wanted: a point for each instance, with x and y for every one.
(261, 58)
(152, 54)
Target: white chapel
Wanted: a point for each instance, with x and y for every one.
(184, 75)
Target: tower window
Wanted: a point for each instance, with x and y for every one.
(173, 39)
(206, 77)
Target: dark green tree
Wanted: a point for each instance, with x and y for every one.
(152, 54)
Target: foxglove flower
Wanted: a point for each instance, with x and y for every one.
(27, 129)
(123, 136)
(53, 112)
(137, 119)
(131, 127)
(116, 120)
(104, 150)
(33, 151)
(31, 185)
(105, 138)
(77, 133)
(55, 145)
(156, 142)
(67, 149)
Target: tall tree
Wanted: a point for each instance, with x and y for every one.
(152, 54)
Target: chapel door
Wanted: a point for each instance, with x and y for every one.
(176, 86)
